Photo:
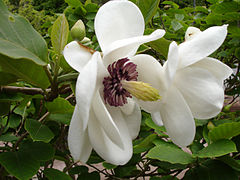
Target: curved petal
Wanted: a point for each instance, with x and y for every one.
(76, 55)
(103, 145)
(202, 45)
(128, 108)
(170, 66)
(220, 70)
(201, 91)
(157, 119)
(177, 118)
(150, 71)
(133, 119)
(78, 141)
(118, 20)
(105, 120)
(85, 88)
(128, 47)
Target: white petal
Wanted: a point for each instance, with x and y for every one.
(157, 119)
(102, 143)
(78, 141)
(171, 64)
(202, 45)
(128, 47)
(220, 70)
(106, 120)
(191, 33)
(201, 91)
(118, 20)
(150, 71)
(85, 88)
(129, 107)
(133, 119)
(177, 118)
(76, 55)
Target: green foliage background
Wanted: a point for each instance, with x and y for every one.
(36, 105)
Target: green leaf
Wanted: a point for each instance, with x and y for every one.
(145, 145)
(54, 174)
(7, 78)
(225, 7)
(235, 164)
(62, 118)
(19, 164)
(89, 176)
(225, 131)
(59, 106)
(19, 40)
(158, 129)
(78, 170)
(173, 4)
(216, 149)
(59, 34)
(211, 170)
(73, 3)
(25, 70)
(122, 171)
(237, 52)
(164, 152)
(9, 97)
(22, 48)
(38, 131)
(14, 120)
(148, 8)
(40, 151)
(8, 137)
(108, 165)
(161, 45)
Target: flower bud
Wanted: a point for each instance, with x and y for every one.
(78, 31)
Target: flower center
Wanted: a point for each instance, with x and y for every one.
(122, 83)
(114, 93)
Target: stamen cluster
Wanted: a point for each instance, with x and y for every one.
(114, 93)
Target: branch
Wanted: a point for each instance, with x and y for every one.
(25, 90)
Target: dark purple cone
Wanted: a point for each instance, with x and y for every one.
(114, 93)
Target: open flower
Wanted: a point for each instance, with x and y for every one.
(190, 83)
(105, 117)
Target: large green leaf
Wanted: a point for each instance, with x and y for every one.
(218, 148)
(148, 8)
(38, 131)
(161, 46)
(19, 40)
(145, 145)
(40, 151)
(7, 78)
(59, 34)
(54, 174)
(25, 70)
(59, 106)
(23, 51)
(211, 170)
(225, 131)
(235, 164)
(19, 164)
(168, 153)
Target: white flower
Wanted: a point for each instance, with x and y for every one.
(190, 83)
(99, 120)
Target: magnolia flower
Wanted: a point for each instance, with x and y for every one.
(190, 83)
(105, 117)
